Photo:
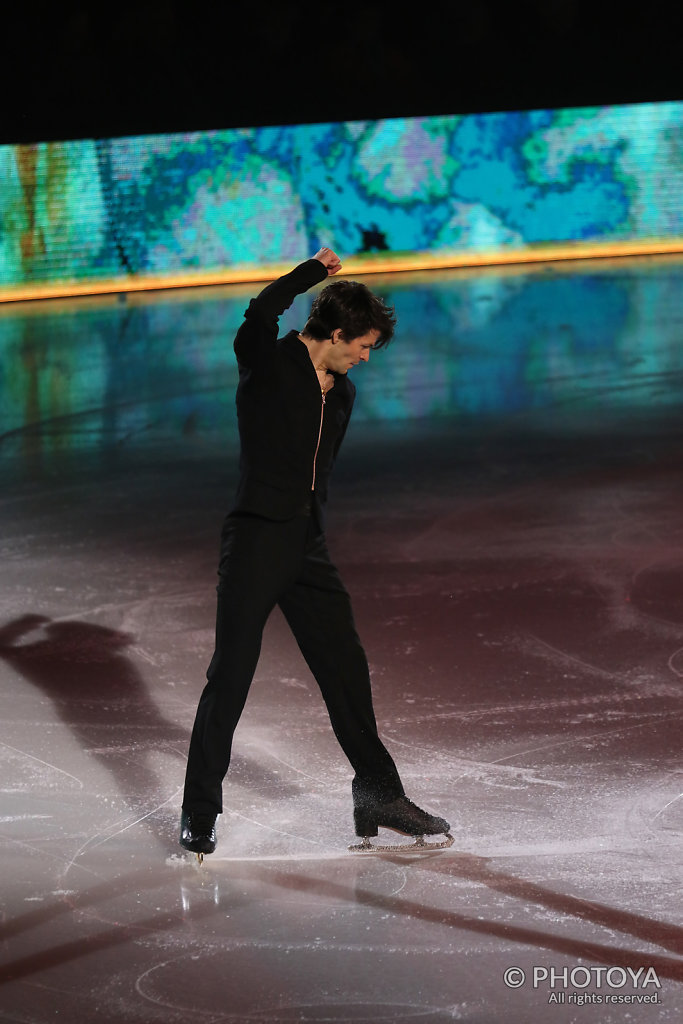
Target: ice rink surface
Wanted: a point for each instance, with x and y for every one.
(517, 580)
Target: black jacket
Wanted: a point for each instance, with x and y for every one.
(280, 408)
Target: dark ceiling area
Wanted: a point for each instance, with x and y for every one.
(83, 71)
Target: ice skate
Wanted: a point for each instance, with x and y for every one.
(404, 817)
(198, 833)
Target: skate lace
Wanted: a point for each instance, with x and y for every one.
(407, 804)
(203, 823)
(404, 804)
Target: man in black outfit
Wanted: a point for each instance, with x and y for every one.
(294, 401)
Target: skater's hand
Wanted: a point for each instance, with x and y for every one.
(329, 259)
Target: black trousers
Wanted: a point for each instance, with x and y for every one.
(264, 563)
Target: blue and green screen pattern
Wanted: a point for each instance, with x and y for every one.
(114, 209)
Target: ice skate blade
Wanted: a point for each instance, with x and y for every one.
(419, 846)
(200, 859)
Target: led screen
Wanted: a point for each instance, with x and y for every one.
(117, 209)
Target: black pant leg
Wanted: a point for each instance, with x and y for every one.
(318, 610)
(259, 559)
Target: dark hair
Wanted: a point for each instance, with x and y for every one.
(354, 309)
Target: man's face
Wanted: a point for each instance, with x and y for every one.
(345, 354)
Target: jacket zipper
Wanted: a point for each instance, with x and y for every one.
(320, 434)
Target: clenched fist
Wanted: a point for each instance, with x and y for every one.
(329, 259)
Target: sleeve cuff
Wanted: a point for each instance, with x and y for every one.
(318, 272)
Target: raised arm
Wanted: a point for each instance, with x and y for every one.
(257, 336)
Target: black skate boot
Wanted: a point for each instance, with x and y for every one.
(198, 832)
(403, 816)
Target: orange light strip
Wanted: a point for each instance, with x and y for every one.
(373, 263)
